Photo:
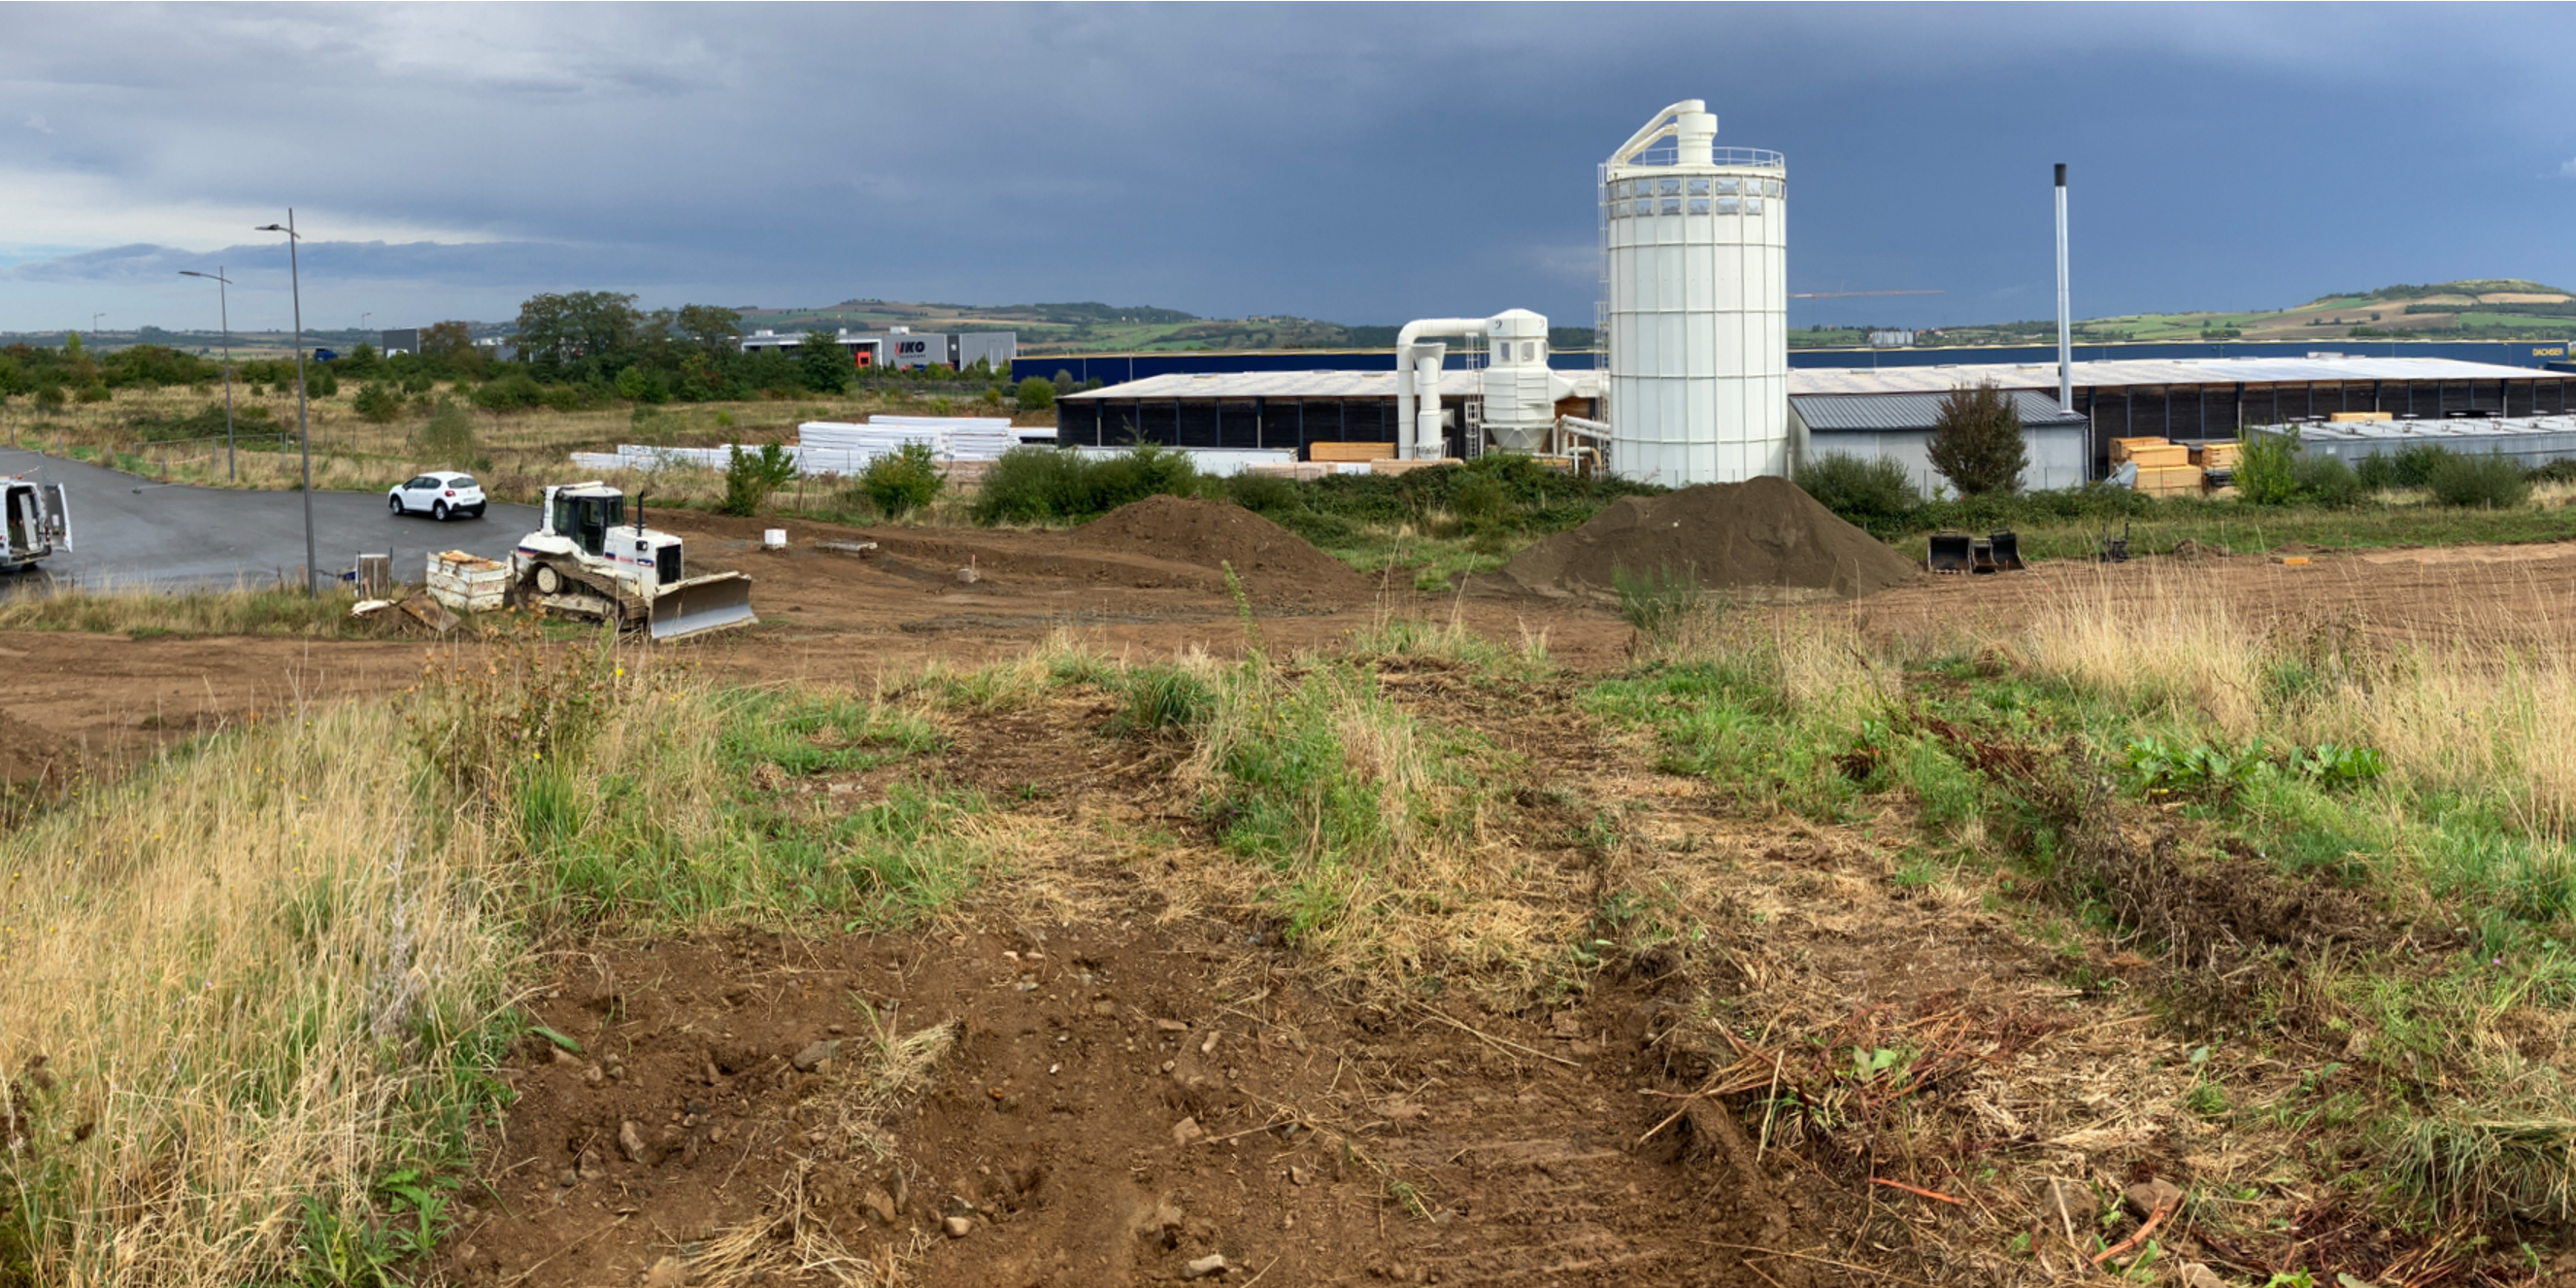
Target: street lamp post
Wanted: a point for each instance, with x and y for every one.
(303, 430)
(223, 286)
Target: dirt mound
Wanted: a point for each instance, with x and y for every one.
(1092, 1110)
(1762, 534)
(30, 756)
(1273, 562)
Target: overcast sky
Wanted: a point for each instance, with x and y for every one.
(1357, 163)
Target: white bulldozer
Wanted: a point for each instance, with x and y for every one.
(35, 522)
(587, 562)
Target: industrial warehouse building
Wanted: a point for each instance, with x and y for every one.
(905, 349)
(1886, 412)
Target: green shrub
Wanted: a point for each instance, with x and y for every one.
(2325, 481)
(2376, 472)
(1035, 394)
(1977, 441)
(320, 383)
(449, 435)
(378, 404)
(562, 397)
(1871, 490)
(2414, 464)
(635, 384)
(2493, 481)
(516, 391)
(1051, 485)
(1265, 494)
(2266, 469)
(903, 480)
(93, 392)
(750, 477)
(2562, 470)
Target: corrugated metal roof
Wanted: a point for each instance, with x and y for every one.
(1815, 381)
(1303, 384)
(2145, 371)
(1832, 413)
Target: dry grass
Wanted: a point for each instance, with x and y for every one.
(243, 973)
(145, 611)
(865, 1088)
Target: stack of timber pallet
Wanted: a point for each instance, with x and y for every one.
(2164, 468)
(1350, 451)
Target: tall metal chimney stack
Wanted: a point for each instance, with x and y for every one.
(2065, 333)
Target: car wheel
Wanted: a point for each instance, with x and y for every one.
(395, 504)
(438, 511)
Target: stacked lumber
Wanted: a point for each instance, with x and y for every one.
(2121, 447)
(2169, 480)
(2359, 417)
(1350, 451)
(2215, 456)
(1406, 467)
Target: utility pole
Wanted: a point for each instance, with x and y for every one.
(303, 427)
(223, 285)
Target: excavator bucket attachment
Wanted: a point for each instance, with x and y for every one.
(1949, 552)
(702, 604)
(2007, 548)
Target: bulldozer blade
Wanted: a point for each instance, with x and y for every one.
(703, 604)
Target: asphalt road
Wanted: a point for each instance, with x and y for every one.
(128, 531)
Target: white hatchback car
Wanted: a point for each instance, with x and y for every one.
(439, 494)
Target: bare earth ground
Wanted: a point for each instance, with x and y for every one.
(1137, 1083)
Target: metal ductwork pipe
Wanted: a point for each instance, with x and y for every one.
(1417, 432)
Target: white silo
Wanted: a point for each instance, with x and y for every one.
(1695, 305)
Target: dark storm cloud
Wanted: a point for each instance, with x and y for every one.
(1357, 163)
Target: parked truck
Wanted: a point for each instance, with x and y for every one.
(35, 522)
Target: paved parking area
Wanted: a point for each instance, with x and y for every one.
(131, 531)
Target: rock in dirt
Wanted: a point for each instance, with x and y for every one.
(2192, 1274)
(958, 1227)
(631, 1143)
(2145, 1197)
(1762, 536)
(2072, 1202)
(1187, 1132)
(669, 1272)
(878, 1204)
(813, 1056)
(1211, 1264)
(1273, 563)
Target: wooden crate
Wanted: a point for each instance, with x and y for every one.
(1350, 451)
(468, 583)
(2160, 456)
(2170, 480)
(2121, 447)
(2359, 417)
(2215, 456)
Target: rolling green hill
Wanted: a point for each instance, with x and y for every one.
(2477, 309)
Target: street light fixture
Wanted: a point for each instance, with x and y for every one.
(303, 429)
(223, 286)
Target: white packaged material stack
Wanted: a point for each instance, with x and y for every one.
(468, 583)
(838, 447)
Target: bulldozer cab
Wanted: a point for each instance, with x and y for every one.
(587, 516)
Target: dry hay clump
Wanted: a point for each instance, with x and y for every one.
(1763, 537)
(1272, 562)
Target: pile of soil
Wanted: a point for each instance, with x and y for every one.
(1761, 535)
(1273, 563)
(1106, 1115)
(29, 756)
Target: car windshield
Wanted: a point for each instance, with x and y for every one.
(461, 481)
